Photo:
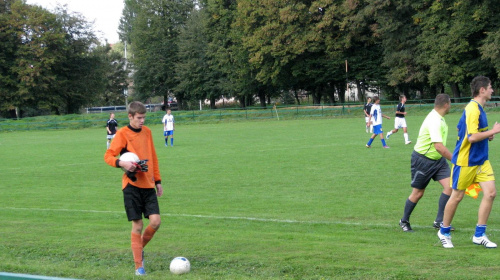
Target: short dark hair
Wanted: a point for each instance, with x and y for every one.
(478, 83)
(375, 98)
(441, 100)
(401, 97)
(136, 107)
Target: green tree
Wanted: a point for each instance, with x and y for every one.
(40, 38)
(81, 70)
(153, 28)
(8, 48)
(399, 30)
(227, 58)
(113, 75)
(452, 33)
(50, 62)
(360, 45)
(275, 35)
(192, 69)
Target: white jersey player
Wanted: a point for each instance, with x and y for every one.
(168, 127)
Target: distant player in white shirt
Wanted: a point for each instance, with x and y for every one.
(376, 117)
(168, 127)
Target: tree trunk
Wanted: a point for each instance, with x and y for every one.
(316, 94)
(212, 102)
(242, 100)
(455, 90)
(341, 89)
(330, 93)
(262, 97)
(180, 103)
(296, 96)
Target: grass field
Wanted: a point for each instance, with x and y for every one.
(297, 199)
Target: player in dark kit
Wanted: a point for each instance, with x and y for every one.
(400, 121)
(111, 126)
(367, 109)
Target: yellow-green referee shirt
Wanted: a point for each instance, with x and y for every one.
(433, 130)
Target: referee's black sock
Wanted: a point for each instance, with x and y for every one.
(443, 199)
(409, 206)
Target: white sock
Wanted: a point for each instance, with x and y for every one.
(406, 137)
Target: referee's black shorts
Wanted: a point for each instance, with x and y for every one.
(423, 169)
(140, 201)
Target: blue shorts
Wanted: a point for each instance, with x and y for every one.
(377, 129)
(168, 133)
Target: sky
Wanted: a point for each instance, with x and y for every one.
(104, 13)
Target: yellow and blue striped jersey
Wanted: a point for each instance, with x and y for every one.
(473, 120)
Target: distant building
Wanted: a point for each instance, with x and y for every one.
(352, 94)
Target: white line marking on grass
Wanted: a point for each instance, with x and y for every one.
(198, 216)
(29, 276)
(38, 166)
(229, 218)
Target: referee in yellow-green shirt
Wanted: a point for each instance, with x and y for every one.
(428, 161)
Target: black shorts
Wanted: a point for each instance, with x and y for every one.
(423, 169)
(140, 201)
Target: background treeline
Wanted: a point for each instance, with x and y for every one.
(256, 51)
(53, 63)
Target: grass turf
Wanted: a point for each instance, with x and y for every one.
(295, 199)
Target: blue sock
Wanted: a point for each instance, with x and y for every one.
(383, 142)
(166, 141)
(172, 141)
(369, 142)
(480, 229)
(445, 230)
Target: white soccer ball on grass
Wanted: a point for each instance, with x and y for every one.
(180, 265)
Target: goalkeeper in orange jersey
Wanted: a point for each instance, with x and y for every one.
(139, 193)
(428, 161)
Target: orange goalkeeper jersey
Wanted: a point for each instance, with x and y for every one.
(139, 142)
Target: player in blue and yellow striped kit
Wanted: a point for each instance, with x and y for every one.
(471, 164)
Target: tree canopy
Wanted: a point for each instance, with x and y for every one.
(51, 62)
(253, 50)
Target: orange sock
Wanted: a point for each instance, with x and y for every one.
(136, 249)
(147, 235)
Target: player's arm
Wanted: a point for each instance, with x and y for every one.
(159, 190)
(386, 116)
(479, 136)
(398, 108)
(442, 150)
(119, 142)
